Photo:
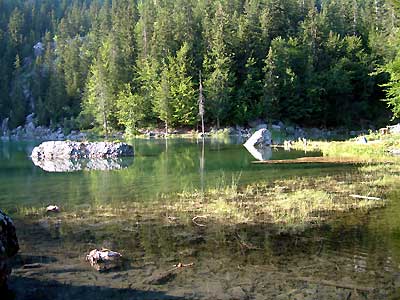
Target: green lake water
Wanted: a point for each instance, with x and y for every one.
(358, 250)
(158, 167)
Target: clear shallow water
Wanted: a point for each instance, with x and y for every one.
(361, 250)
(158, 167)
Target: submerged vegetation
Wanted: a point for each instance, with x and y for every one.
(307, 236)
(288, 204)
(292, 203)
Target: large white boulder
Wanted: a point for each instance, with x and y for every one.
(68, 149)
(260, 138)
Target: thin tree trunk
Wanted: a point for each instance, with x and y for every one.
(201, 104)
(354, 17)
(105, 124)
(202, 125)
(145, 40)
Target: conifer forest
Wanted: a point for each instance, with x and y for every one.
(127, 64)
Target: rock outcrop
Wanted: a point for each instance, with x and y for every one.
(259, 144)
(8, 247)
(4, 127)
(260, 138)
(78, 150)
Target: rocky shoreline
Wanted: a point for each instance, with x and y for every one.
(279, 130)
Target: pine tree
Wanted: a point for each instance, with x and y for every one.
(18, 102)
(217, 64)
(98, 97)
(131, 109)
(163, 99)
(182, 88)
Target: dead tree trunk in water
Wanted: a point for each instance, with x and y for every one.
(201, 105)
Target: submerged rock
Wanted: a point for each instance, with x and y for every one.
(237, 293)
(104, 259)
(52, 208)
(76, 150)
(8, 247)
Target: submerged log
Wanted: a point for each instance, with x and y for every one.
(163, 277)
(313, 159)
(365, 197)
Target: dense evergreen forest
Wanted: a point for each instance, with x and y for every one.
(133, 63)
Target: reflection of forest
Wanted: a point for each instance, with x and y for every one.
(160, 167)
(165, 166)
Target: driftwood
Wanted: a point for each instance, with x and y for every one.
(245, 245)
(365, 197)
(32, 266)
(164, 277)
(314, 159)
(342, 285)
(199, 217)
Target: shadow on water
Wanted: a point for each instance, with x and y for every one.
(225, 257)
(32, 289)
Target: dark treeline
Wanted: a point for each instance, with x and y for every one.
(129, 63)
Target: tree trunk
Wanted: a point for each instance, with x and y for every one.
(202, 125)
(105, 124)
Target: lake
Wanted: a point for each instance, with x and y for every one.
(357, 256)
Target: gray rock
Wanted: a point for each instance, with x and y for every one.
(77, 150)
(290, 130)
(276, 127)
(394, 151)
(4, 127)
(30, 129)
(261, 126)
(362, 140)
(8, 247)
(394, 128)
(231, 131)
(237, 293)
(261, 137)
(30, 118)
(38, 49)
